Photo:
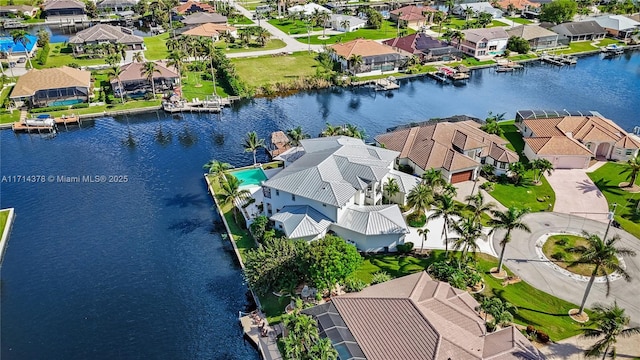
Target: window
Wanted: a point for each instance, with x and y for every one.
(324, 205)
(277, 192)
(266, 192)
(482, 45)
(503, 165)
(493, 47)
(482, 53)
(629, 152)
(619, 151)
(293, 197)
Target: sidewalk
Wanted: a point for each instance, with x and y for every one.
(573, 348)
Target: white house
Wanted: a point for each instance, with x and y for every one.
(336, 184)
(307, 9)
(483, 43)
(346, 23)
(477, 7)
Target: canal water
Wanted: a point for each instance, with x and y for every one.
(132, 266)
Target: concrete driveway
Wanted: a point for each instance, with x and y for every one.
(576, 194)
(521, 257)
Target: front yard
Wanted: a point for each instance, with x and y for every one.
(387, 31)
(526, 195)
(607, 178)
(292, 26)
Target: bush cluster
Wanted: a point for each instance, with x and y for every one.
(43, 54)
(48, 109)
(404, 248)
(80, 106)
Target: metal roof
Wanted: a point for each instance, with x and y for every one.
(373, 220)
(301, 221)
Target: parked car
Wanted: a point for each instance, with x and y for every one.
(12, 64)
(22, 60)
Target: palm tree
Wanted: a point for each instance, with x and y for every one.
(217, 168)
(438, 18)
(433, 178)
(353, 131)
(420, 198)
(345, 24)
(603, 255)
(541, 166)
(323, 350)
(114, 74)
(262, 36)
(252, 144)
(138, 57)
(502, 311)
(450, 4)
(423, 235)
(20, 36)
(633, 168)
(459, 36)
(477, 205)
(175, 59)
(509, 220)
(484, 19)
(211, 54)
(230, 192)
(331, 130)
(323, 17)
(148, 70)
(296, 135)
(516, 171)
(355, 62)
(469, 230)
(391, 188)
(609, 322)
(446, 208)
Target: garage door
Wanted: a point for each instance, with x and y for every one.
(570, 162)
(461, 176)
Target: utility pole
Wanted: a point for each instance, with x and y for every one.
(610, 217)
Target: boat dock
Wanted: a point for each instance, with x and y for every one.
(612, 50)
(559, 60)
(390, 83)
(211, 105)
(263, 336)
(453, 74)
(45, 123)
(438, 76)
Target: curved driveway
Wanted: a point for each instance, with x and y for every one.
(521, 258)
(576, 194)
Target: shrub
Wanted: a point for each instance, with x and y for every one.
(542, 337)
(407, 169)
(80, 106)
(562, 241)
(48, 109)
(380, 277)
(416, 219)
(42, 55)
(405, 248)
(352, 284)
(488, 186)
(73, 65)
(530, 329)
(558, 256)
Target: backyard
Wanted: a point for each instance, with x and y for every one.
(129, 105)
(61, 55)
(194, 86)
(5, 115)
(607, 178)
(156, 47)
(519, 20)
(292, 26)
(258, 71)
(236, 47)
(387, 31)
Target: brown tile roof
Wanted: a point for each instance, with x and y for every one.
(434, 145)
(362, 47)
(415, 317)
(63, 4)
(628, 142)
(412, 12)
(518, 4)
(55, 78)
(209, 30)
(556, 145)
(133, 71)
(186, 6)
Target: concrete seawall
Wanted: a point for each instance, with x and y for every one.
(5, 234)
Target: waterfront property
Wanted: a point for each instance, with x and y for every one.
(116, 6)
(133, 81)
(519, 5)
(18, 11)
(203, 18)
(103, 33)
(412, 15)
(64, 9)
(538, 37)
(618, 26)
(38, 88)
(427, 48)
(580, 31)
(483, 43)
(364, 57)
(346, 23)
(210, 30)
(570, 139)
(336, 184)
(415, 317)
(477, 7)
(191, 7)
(457, 149)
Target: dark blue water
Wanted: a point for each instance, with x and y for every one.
(136, 270)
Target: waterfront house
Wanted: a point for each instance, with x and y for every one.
(570, 139)
(618, 26)
(427, 48)
(519, 5)
(210, 30)
(116, 6)
(346, 23)
(204, 18)
(483, 43)
(13, 51)
(457, 149)
(18, 11)
(376, 58)
(415, 317)
(580, 31)
(134, 83)
(477, 7)
(335, 184)
(104, 34)
(307, 9)
(50, 87)
(64, 9)
(538, 37)
(412, 15)
(191, 7)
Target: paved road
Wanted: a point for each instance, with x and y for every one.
(522, 259)
(576, 194)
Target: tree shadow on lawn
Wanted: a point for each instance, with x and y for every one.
(633, 211)
(606, 185)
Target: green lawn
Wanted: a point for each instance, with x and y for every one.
(273, 306)
(272, 44)
(512, 134)
(607, 178)
(537, 308)
(522, 57)
(102, 108)
(387, 31)
(263, 70)
(455, 23)
(526, 195)
(609, 41)
(4, 215)
(59, 56)
(292, 27)
(156, 47)
(471, 62)
(240, 20)
(190, 88)
(519, 20)
(576, 47)
(5, 115)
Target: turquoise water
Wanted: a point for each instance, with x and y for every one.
(250, 176)
(66, 102)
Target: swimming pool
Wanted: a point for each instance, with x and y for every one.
(66, 102)
(249, 177)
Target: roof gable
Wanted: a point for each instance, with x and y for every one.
(362, 47)
(54, 78)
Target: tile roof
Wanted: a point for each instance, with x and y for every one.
(415, 317)
(556, 145)
(434, 145)
(416, 43)
(190, 3)
(203, 18)
(301, 221)
(518, 4)
(209, 30)
(104, 32)
(580, 28)
(530, 32)
(133, 71)
(54, 78)
(413, 12)
(373, 220)
(332, 169)
(63, 4)
(627, 142)
(362, 47)
(477, 35)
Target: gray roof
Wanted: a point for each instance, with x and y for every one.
(63, 4)
(406, 182)
(477, 35)
(579, 28)
(301, 221)
(479, 7)
(373, 220)
(530, 32)
(116, 3)
(203, 18)
(353, 20)
(333, 169)
(104, 32)
(616, 22)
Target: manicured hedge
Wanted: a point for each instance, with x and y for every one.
(80, 106)
(48, 109)
(43, 54)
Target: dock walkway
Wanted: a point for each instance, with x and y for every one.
(267, 345)
(24, 126)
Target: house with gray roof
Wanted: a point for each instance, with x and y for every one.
(477, 7)
(116, 6)
(336, 184)
(580, 31)
(415, 318)
(619, 26)
(204, 18)
(538, 37)
(103, 34)
(64, 9)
